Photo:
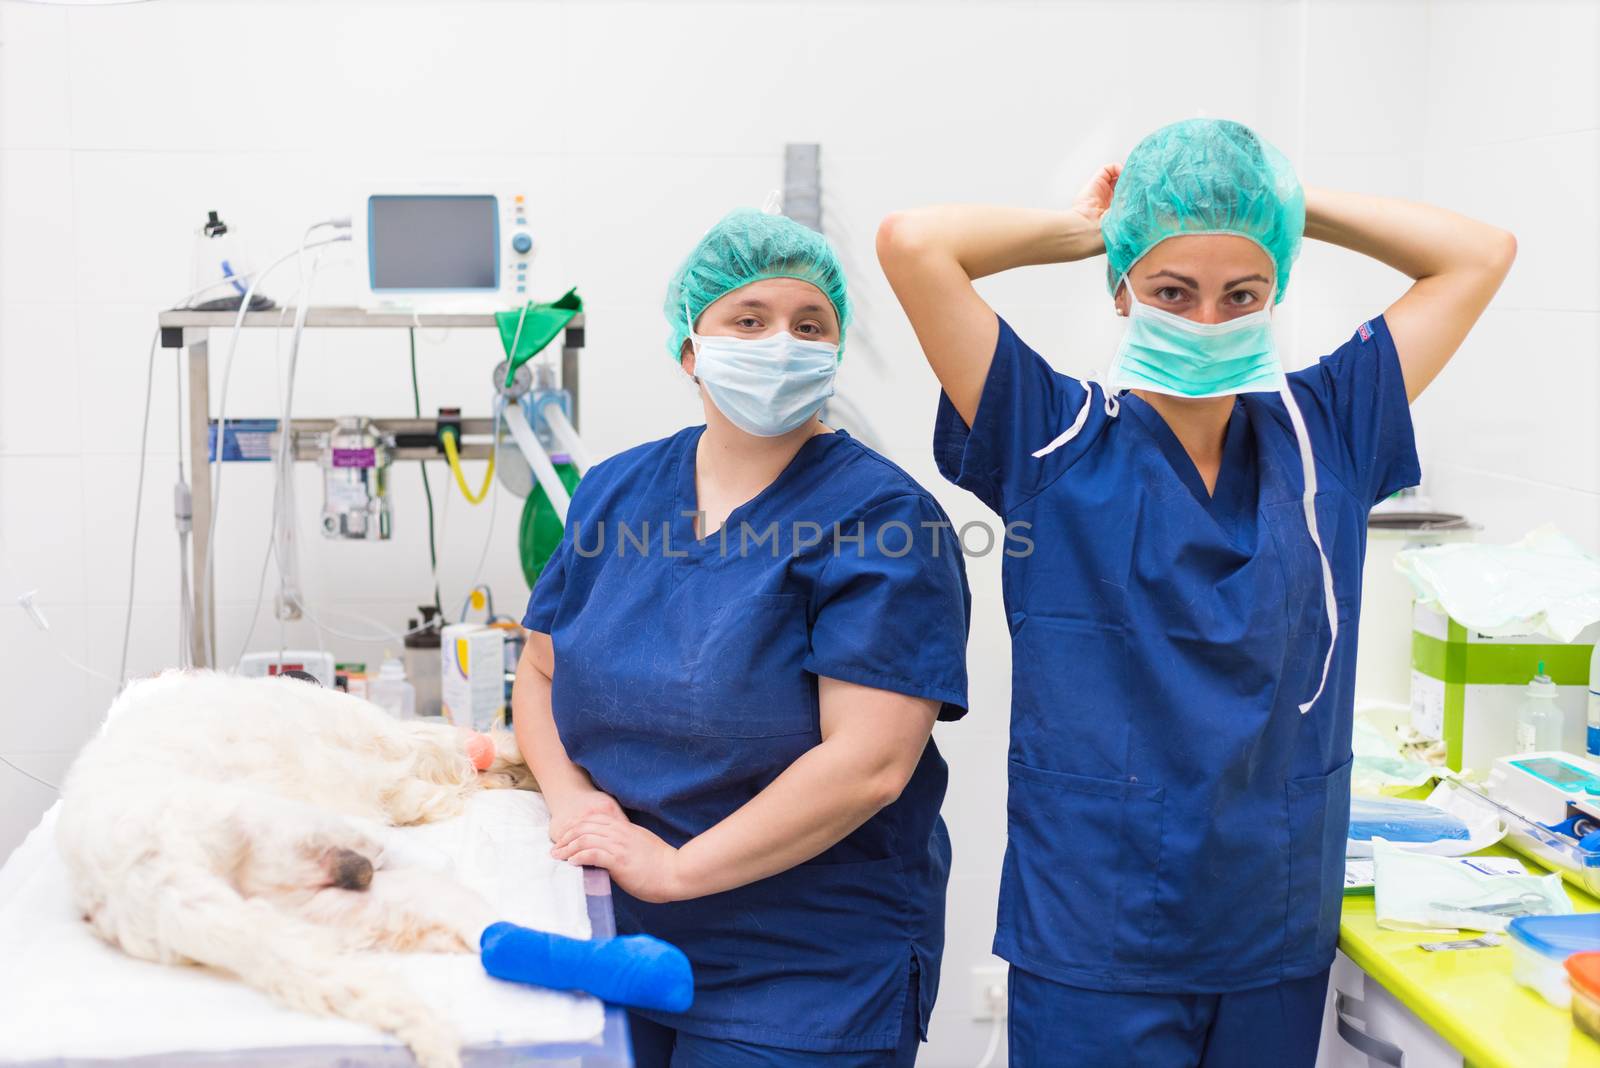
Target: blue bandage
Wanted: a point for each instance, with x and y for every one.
(638, 971)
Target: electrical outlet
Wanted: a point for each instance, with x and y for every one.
(989, 991)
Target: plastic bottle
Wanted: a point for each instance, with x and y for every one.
(422, 660)
(391, 692)
(1594, 701)
(1539, 718)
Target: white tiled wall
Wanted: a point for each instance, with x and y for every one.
(635, 126)
(1511, 436)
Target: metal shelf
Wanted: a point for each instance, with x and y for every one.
(189, 330)
(334, 317)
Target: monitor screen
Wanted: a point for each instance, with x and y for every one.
(1556, 771)
(434, 242)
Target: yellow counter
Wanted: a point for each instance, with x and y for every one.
(1468, 995)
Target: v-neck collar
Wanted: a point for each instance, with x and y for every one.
(687, 501)
(1224, 502)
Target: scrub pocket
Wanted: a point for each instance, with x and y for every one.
(748, 681)
(1302, 570)
(1082, 868)
(1319, 817)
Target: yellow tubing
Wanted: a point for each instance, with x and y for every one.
(453, 455)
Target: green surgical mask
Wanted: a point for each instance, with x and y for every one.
(1166, 353)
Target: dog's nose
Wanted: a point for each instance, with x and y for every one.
(349, 870)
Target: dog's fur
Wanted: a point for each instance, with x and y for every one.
(239, 824)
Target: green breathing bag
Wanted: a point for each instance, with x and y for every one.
(540, 531)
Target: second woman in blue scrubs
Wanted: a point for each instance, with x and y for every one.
(1183, 634)
(738, 654)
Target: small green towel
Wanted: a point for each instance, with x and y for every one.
(540, 324)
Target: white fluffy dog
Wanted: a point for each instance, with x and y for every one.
(239, 824)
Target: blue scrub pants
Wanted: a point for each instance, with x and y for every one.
(1269, 1027)
(657, 1046)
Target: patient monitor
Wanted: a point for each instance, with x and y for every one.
(442, 248)
(1546, 787)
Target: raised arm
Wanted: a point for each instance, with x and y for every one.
(1457, 262)
(932, 255)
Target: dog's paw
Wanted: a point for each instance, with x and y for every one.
(429, 937)
(434, 1045)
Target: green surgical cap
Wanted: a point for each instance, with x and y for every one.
(747, 246)
(1204, 176)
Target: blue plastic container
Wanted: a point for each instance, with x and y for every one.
(1540, 946)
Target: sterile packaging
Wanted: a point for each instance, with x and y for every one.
(472, 681)
(1388, 775)
(1421, 892)
(1450, 823)
(1485, 616)
(1359, 876)
(1543, 584)
(1540, 946)
(1583, 973)
(1396, 819)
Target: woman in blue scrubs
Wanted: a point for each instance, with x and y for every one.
(1184, 632)
(737, 657)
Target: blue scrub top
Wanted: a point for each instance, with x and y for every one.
(1176, 825)
(686, 681)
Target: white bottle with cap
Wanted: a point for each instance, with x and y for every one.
(1594, 701)
(391, 692)
(1539, 718)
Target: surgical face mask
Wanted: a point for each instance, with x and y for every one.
(765, 386)
(1166, 353)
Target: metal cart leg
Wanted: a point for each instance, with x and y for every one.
(203, 649)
